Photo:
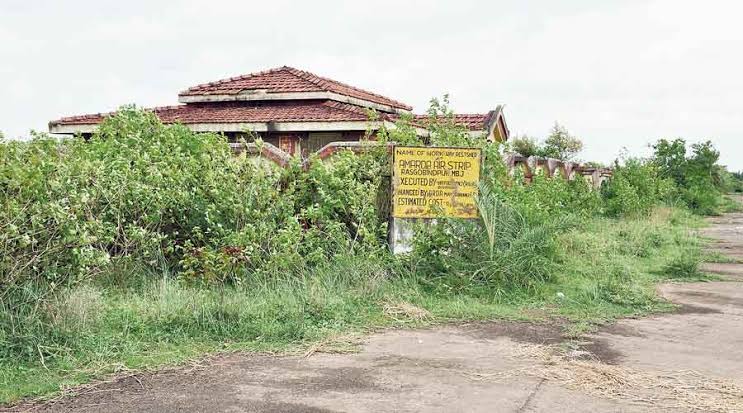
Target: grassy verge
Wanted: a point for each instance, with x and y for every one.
(731, 203)
(607, 268)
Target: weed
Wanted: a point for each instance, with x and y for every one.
(684, 265)
(149, 244)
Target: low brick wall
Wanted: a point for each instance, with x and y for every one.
(532, 165)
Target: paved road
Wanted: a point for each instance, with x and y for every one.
(690, 360)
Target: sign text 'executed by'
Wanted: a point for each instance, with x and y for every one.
(431, 182)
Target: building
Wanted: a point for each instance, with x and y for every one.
(295, 110)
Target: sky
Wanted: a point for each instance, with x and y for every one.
(617, 74)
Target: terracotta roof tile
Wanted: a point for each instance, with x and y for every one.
(274, 111)
(242, 112)
(286, 80)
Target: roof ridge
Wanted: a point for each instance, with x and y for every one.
(345, 106)
(418, 115)
(234, 78)
(320, 82)
(359, 110)
(308, 79)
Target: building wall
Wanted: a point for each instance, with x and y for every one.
(316, 140)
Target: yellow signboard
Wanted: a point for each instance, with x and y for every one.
(435, 182)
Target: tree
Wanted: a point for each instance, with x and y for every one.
(561, 144)
(699, 179)
(670, 157)
(525, 146)
(703, 163)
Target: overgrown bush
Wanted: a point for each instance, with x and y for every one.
(683, 265)
(163, 199)
(619, 287)
(559, 144)
(194, 231)
(635, 188)
(696, 181)
(503, 249)
(699, 179)
(734, 181)
(525, 146)
(552, 199)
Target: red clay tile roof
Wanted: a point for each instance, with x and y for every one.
(472, 121)
(242, 112)
(287, 80)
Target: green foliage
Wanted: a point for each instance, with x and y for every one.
(696, 181)
(635, 188)
(735, 182)
(512, 253)
(731, 181)
(670, 158)
(441, 126)
(731, 204)
(700, 181)
(684, 264)
(526, 146)
(152, 239)
(99, 329)
(513, 244)
(620, 287)
(553, 199)
(139, 194)
(559, 144)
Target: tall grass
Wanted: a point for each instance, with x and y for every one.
(151, 243)
(516, 252)
(601, 269)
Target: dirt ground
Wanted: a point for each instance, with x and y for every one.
(691, 360)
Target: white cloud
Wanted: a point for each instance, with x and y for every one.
(617, 73)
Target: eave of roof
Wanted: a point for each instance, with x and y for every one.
(278, 116)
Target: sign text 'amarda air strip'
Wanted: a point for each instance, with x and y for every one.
(435, 182)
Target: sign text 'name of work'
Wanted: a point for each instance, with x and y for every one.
(435, 182)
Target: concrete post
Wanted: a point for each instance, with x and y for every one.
(401, 235)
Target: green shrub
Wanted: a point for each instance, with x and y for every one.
(503, 249)
(148, 238)
(634, 189)
(621, 287)
(699, 180)
(525, 146)
(548, 200)
(730, 204)
(735, 182)
(695, 181)
(683, 265)
(639, 242)
(559, 144)
(163, 199)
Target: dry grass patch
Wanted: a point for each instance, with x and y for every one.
(682, 390)
(336, 344)
(402, 311)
